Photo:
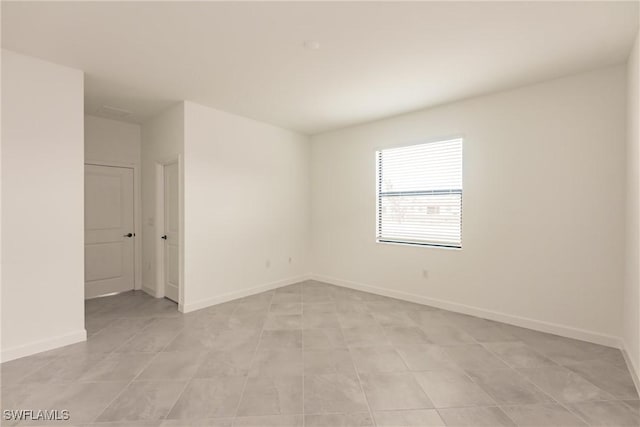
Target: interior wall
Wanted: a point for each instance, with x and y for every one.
(246, 206)
(632, 272)
(107, 140)
(42, 206)
(162, 141)
(543, 216)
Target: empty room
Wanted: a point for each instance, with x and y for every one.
(305, 214)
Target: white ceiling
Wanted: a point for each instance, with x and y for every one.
(376, 59)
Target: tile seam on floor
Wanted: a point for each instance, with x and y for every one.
(376, 321)
(124, 388)
(188, 381)
(355, 368)
(62, 354)
(566, 406)
(562, 404)
(186, 385)
(513, 369)
(557, 401)
(364, 395)
(408, 371)
(473, 407)
(143, 330)
(255, 352)
(465, 373)
(509, 367)
(485, 344)
(302, 346)
(53, 358)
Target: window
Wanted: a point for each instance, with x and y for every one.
(420, 194)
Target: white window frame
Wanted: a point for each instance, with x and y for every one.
(378, 197)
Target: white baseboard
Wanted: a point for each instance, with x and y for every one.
(151, 291)
(630, 365)
(553, 328)
(43, 345)
(538, 325)
(229, 296)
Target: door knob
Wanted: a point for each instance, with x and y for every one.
(129, 235)
(164, 237)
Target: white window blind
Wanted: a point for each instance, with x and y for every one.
(420, 194)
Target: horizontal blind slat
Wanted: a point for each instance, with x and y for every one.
(420, 193)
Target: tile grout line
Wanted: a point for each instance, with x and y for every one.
(53, 359)
(553, 399)
(304, 415)
(124, 388)
(475, 341)
(137, 375)
(409, 370)
(511, 368)
(565, 405)
(61, 352)
(144, 329)
(255, 352)
(366, 398)
(340, 328)
(459, 369)
(464, 372)
(186, 384)
(195, 372)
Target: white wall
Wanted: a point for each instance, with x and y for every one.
(42, 201)
(107, 140)
(246, 204)
(631, 334)
(162, 141)
(543, 209)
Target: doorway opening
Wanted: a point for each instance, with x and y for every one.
(168, 213)
(110, 230)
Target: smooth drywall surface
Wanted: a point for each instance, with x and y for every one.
(43, 206)
(632, 272)
(246, 206)
(111, 141)
(162, 142)
(543, 206)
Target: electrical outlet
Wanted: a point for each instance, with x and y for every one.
(425, 274)
(267, 263)
(290, 260)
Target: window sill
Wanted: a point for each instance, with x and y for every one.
(421, 245)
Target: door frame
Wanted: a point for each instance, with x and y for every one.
(159, 229)
(137, 214)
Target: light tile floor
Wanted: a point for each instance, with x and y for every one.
(313, 354)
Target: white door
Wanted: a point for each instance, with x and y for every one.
(171, 232)
(109, 233)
